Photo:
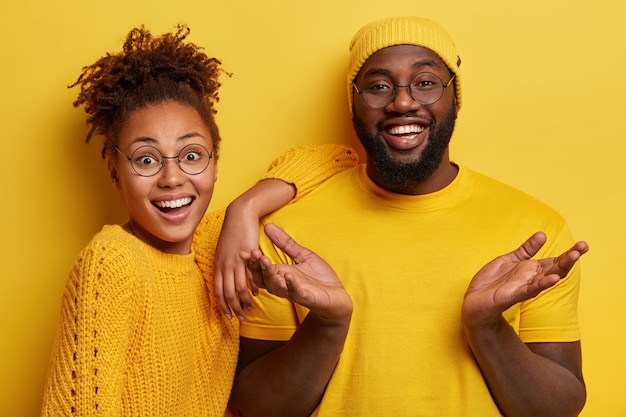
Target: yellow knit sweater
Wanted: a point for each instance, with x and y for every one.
(140, 333)
(141, 337)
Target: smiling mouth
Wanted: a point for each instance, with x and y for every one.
(168, 205)
(405, 130)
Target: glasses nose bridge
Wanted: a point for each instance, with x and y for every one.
(165, 158)
(408, 87)
(408, 90)
(177, 157)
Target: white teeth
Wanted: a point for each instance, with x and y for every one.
(405, 129)
(173, 203)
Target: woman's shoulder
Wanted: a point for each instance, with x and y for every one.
(112, 238)
(114, 249)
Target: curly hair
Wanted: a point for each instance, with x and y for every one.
(149, 70)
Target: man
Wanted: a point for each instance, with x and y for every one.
(436, 322)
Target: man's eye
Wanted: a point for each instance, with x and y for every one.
(425, 82)
(378, 87)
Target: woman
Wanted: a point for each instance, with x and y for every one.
(141, 333)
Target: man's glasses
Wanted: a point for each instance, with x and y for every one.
(147, 160)
(379, 91)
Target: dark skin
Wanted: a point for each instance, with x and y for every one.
(403, 111)
(525, 379)
(301, 368)
(534, 379)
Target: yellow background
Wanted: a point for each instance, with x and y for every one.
(543, 85)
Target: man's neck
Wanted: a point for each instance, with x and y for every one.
(441, 178)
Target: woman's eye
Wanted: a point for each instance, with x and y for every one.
(146, 160)
(191, 156)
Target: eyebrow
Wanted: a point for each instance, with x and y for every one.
(386, 72)
(152, 141)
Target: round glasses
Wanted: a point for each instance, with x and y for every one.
(379, 91)
(147, 160)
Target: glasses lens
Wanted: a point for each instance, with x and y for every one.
(377, 91)
(146, 160)
(194, 158)
(426, 88)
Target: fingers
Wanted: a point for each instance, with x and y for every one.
(263, 273)
(530, 247)
(581, 246)
(218, 288)
(255, 275)
(231, 290)
(247, 276)
(283, 241)
(296, 291)
(237, 293)
(562, 264)
(227, 295)
(241, 286)
(533, 244)
(253, 287)
(273, 280)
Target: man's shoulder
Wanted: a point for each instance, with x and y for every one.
(502, 195)
(334, 187)
(483, 182)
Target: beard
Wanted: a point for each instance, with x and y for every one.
(397, 175)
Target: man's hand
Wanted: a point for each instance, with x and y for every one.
(513, 278)
(310, 281)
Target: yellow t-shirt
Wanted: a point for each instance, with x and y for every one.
(406, 261)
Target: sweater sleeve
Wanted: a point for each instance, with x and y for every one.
(86, 374)
(204, 243)
(308, 166)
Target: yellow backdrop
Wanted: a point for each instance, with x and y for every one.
(543, 98)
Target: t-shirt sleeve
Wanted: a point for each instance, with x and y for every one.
(552, 316)
(310, 165)
(273, 318)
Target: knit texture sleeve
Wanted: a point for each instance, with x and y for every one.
(86, 374)
(308, 166)
(205, 241)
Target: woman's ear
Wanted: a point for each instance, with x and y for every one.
(112, 166)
